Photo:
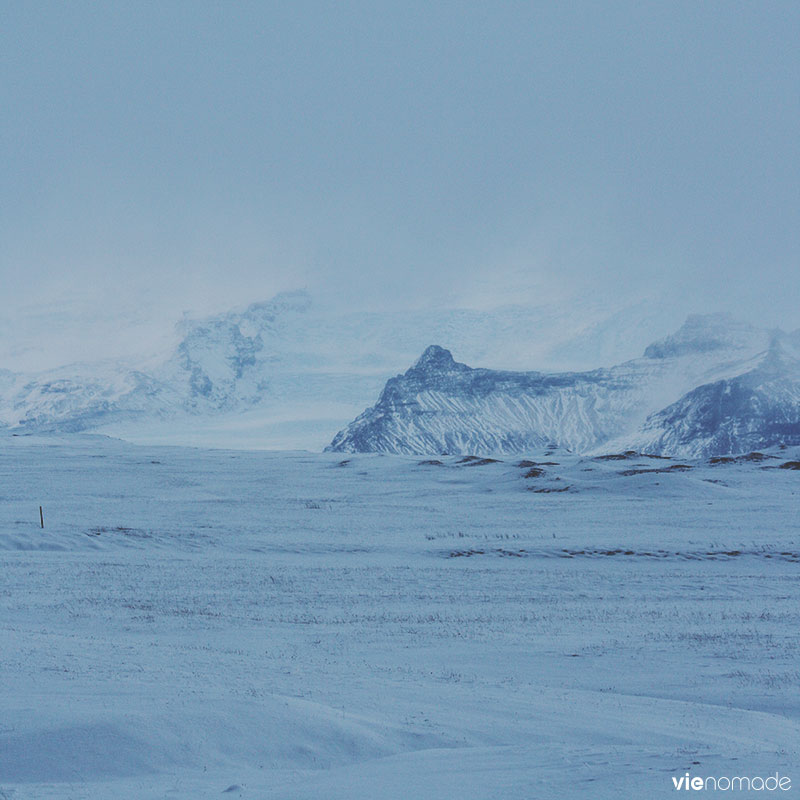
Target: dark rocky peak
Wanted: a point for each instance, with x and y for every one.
(435, 359)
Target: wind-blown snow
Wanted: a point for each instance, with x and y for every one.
(291, 625)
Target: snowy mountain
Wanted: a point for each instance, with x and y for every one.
(80, 396)
(751, 411)
(715, 386)
(289, 372)
(260, 358)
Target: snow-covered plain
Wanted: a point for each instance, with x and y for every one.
(202, 623)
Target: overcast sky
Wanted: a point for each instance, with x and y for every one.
(163, 156)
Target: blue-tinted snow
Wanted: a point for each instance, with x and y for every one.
(296, 625)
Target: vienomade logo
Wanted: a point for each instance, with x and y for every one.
(737, 783)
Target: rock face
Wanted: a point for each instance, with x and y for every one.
(716, 386)
(442, 406)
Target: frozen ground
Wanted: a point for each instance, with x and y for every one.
(296, 625)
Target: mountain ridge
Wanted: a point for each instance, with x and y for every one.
(287, 373)
(287, 357)
(662, 402)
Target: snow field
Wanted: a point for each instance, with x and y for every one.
(286, 625)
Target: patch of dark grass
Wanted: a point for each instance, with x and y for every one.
(622, 553)
(498, 551)
(136, 533)
(757, 457)
(629, 454)
(754, 457)
(671, 468)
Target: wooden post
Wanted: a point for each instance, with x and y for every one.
(41, 516)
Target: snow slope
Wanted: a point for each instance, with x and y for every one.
(194, 624)
(441, 406)
(757, 408)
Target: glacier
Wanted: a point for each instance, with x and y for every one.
(290, 371)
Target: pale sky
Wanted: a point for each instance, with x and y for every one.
(171, 156)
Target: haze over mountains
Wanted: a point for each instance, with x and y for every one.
(289, 374)
(291, 371)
